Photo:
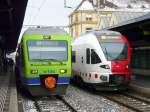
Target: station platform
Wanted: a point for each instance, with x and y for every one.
(8, 93)
(141, 84)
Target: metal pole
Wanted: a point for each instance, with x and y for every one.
(98, 7)
(65, 4)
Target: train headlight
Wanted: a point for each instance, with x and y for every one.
(103, 78)
(105, 66)
(127, 66)
(63, 71)
(47, 37)
(34, 71)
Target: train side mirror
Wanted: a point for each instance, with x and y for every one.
(17, 54)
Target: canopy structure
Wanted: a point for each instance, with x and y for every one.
(11, 19)
(136, 30)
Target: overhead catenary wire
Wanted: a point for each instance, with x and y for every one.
(38, 9)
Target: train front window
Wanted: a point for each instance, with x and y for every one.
(47, 50)
(114, 51)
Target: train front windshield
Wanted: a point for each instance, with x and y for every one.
(47, 50)
(115, 51)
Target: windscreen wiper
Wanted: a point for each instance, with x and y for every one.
(56, 60)
(106, 52)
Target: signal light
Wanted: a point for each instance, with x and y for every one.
(63, 71)
(34, 71)
(89, 74)
(96, 76)
(86, 74)
(127, 66)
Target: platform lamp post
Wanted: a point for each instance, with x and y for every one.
(66, 6)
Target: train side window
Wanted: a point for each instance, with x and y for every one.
(94, 57)
(73, 56)
(87, 56)
(82, 59)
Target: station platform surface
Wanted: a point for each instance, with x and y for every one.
(8, 93)
(141, 84)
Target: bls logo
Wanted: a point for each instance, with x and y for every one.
(50, 71)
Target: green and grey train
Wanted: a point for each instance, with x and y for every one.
(43, 61)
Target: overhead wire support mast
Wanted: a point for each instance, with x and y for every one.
(65, 4)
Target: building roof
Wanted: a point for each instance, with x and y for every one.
(138, 19)
(126, 16)
(121, 17)
(86, 5)
(90, 5)
(81, 4)
(105, 20)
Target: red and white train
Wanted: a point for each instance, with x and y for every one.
(102, 59)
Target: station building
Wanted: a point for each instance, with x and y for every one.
(85, 18)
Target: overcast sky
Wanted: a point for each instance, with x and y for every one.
(48, 12)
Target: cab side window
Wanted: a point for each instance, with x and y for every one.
(22, 56)
(94, 57)
(73, 56)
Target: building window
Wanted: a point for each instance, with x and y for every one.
(88, 29)
(73, 56)
(72, 32)
(87, 56)
(88, 17)
(76, 18)
(71, 20)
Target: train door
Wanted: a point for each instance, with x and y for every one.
(81, 59)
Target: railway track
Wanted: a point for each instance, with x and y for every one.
(49, 104)
(131, 101)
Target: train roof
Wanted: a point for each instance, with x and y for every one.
(92, 35)
(46, 31)
(104, 32)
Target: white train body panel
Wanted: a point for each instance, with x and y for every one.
(88, 71)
